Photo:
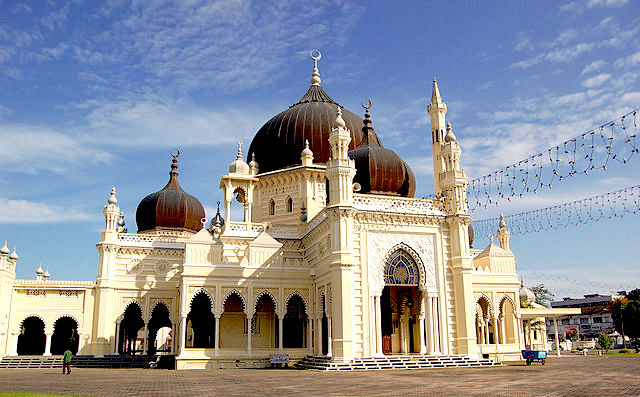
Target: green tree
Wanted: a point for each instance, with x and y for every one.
(543, 295)
(625, 313)
(605, 341)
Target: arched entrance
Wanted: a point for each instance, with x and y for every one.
(233, 326)
(200, 323)
(264, 333)
(65, 336)
(294, 324)
(32, 339)
(132, 323)
(160, 341)
(400, 304)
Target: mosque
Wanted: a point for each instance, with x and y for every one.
(331, 256)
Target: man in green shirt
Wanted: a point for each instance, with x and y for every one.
(66, 361)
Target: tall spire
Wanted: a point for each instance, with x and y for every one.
(315, 76)
(367, 120)
(112, 197)
(174, 163)
(435, 92)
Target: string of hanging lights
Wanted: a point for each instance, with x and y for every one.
(571, 284)
(590, 151)
(592, 209)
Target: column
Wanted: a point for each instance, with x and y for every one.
(557, 338)
(430, 348)
(117, 338)
(319, 335)
(436, 326)
(183, 334)
(144, 339)
(378, 326)
(173, 338)
(216, 342)
(421, 320)
(80, 339)
(481, 325)
(503, 330)
(329, 339)
(403, 335)
(47, 346)
(486, 331)
(14, 343)
(249, 319)
(309, 335)
(280, 344)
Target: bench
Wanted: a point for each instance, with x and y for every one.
(279, 359)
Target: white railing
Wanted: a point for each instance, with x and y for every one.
(284, 231)
(145, 240)
(397, 204)
(244, 226)
(55, 282)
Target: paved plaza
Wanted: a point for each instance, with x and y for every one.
(565, 376)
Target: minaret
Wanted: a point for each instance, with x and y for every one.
(503, 234)
(437, 110)
(452, 179)
(111, 214)
(8, 263)
(340, 172)
(340, 168)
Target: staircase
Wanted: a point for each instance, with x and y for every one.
(113, 361)
(322, 363)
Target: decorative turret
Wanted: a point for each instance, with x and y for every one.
(46, 275)
(238, 166)
(39, 272)
(307, 155)
(526, 295)
(503, 234)
(14, 255)
(451, 179)
(340, 168)
(240, 182)
(111, 213)
(253, 165)
(4, 250)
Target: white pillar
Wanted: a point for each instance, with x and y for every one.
(183, 335)
(144, 339)
(429, 315)
(330, 339)
(378, 326)
(216, 342)
(174, 330)
(503, 330)
(557, 338)
(249, 319)
(309, 335)
(117, 337)
(14, 343)
(80, 343)
(486, 331)
(319, 335)
(280, 344)
(436, 326)
(47, 345)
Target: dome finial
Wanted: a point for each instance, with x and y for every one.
(13, 255)
(4, 250)
(315, 76)
(239, 155)
(339, 121)
(174, 162)
(112, 197)
(450, 137)
(367, 118)
(238, 166)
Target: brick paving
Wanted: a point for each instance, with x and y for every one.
(565, 376)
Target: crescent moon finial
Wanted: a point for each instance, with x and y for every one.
(317, 57)
(175, 156)
(368, 105)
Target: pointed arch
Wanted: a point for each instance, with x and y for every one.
(161, 302)
(202, 291)
(266, 292)
(289, 204)
(399, 249)
(510, 299)
(272, 207)
(71, 316)
(133, 301)
(242, 298)
(32, 315)
(304, 301)
(487, 299)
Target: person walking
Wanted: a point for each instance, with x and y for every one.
(66, 361)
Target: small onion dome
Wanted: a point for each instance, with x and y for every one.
(380, 170)
(450, 137)
(306, 152)
(170, 207)
(280, 141)
(46, 274)
(112, 197)
(13, 255)
(218, 219)
(471, 236)
(526, 294)
(4, 250)
(253, 163)
(238, 166)
(39, 269)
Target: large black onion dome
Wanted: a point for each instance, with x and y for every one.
(279, 142)
(170, 207)
(380, 170)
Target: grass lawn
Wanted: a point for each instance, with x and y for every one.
(618, 354)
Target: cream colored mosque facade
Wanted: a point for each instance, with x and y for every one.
(308, 271)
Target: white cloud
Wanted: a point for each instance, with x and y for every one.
(593, 66)
(596, 81)
(579, 6)
(32, 149)
(629, 61)
(23, 211)
(606, 3)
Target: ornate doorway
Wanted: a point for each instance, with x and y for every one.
(399, 304)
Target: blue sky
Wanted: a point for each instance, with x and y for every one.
(95, 94)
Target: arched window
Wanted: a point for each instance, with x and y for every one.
(272, 207)
(401, 269)
(289, 204)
